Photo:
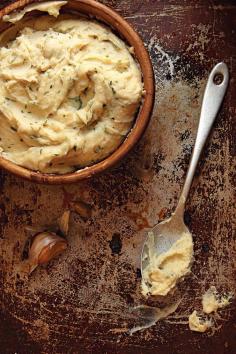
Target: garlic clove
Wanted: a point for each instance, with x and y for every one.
(52, 251)
(45, 247)
(63, 222)
(81, 208)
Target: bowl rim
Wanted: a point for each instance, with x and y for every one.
(126, 31)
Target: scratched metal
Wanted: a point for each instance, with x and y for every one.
(80, 302)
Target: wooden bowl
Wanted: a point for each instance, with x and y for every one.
(126, 32)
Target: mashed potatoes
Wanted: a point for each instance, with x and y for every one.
(164, 270)
(69, 91)
(198, 323)
(212, 301)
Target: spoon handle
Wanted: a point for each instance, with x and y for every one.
(213, 96)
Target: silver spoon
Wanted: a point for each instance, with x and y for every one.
(162, 237)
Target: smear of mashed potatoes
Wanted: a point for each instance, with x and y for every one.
(69, 91)
(198, 323)
(164, 270)
(212, 301)
(52, 7)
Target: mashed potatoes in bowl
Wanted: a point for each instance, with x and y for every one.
(69, 93)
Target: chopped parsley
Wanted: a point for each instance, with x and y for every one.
(111, 86)
(97, 149)
(76, 102)
(10, 99)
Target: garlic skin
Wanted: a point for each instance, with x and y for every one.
(81, 208)
(63, 222)
(45, 247)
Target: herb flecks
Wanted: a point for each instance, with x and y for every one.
(97, 149)
(76, 102)
(112, 88)
(10, 99)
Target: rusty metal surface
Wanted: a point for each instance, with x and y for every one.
(80, 302)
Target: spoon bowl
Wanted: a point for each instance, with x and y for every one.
(165, 235)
